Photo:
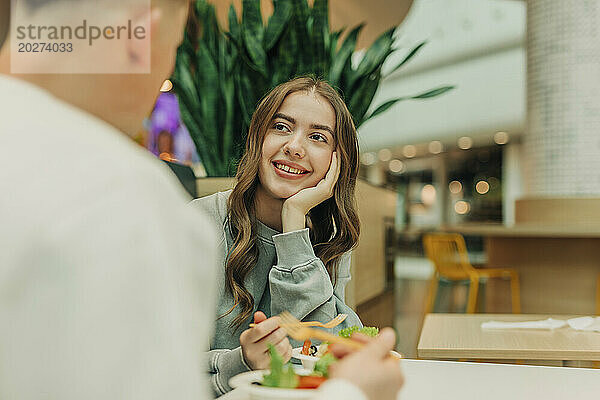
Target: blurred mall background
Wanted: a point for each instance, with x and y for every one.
(508, 158)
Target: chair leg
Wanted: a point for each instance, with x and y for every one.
(515, 289)
(473, 291)
(430, 302)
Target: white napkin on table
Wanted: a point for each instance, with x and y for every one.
(580, 324)
(585, 324)
(542, 324)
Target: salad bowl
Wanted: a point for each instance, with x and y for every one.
(248, 382)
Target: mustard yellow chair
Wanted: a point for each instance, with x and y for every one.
(448, 253)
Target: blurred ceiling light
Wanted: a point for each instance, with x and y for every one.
(455, 187)
(465, 143)
(368, 158)
(482, 187)
(428, 195)
(385, 155)
(461, 207)
(436, 147)
(409, 151)
(501, 138)
(166, 86)
(396, 166)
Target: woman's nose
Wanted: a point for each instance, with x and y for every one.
(294, 147)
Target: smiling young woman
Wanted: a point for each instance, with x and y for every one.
(288, 225)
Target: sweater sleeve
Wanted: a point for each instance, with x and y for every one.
(300, 284)
(223, 364)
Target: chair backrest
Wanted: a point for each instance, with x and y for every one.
(448, 253)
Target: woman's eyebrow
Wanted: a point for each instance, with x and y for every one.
(322, 127)
(283, 116)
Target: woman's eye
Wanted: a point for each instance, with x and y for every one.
(319, 137)
(281, 127)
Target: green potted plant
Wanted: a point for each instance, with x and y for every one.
(220, 75)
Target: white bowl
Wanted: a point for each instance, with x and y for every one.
(308, 362)
(244, 382)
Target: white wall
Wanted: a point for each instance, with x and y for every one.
(476, 45)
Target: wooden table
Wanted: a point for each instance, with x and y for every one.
(446, 380)
(456, 336)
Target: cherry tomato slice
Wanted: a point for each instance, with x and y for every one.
(310, 382)
(306, 347)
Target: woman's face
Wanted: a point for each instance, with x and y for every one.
(298, 145)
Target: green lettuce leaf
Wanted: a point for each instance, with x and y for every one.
(367, 330)
(281, 376)
(322, 365)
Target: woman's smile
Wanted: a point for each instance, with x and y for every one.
(289, 170)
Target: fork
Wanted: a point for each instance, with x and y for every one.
(298, 332)
(333, 323)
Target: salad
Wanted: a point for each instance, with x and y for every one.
(309, 349)
(284, 376)
(367, 330)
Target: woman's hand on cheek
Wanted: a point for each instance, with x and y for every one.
(295, 208)
(254, 341)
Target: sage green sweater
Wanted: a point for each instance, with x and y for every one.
(288, 276)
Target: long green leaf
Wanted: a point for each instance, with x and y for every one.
(235, 31)
(203, 149)
(207, 74)
(343, 56)
(210, 27)
(300, 24)
(374, 57)
(253, 34)
(362, 97)
(282, 13)
(319, 31)
(433, 93)
(243, 87)
(320, 13)
(388, 104)
(382, 108)
(285, 63)
(228, 97)
(410, 55)
(332, 43)
(301, 9)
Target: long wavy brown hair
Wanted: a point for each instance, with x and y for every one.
(335, 226)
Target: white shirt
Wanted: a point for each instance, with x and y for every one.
(106, 275)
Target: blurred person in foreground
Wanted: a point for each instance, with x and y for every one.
(106, 275)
